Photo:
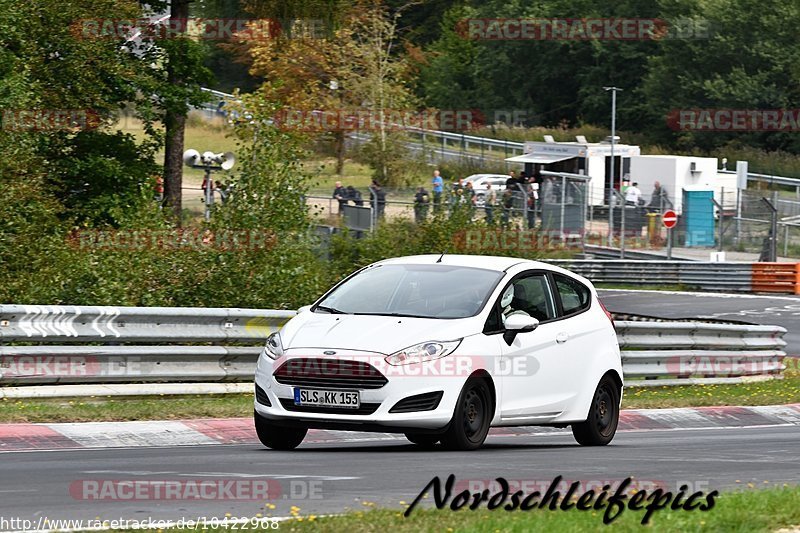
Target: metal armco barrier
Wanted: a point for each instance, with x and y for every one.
(69, 323)
(46, 345)
(729, 277)
(710, 276)
(686, 349)
(776, 277)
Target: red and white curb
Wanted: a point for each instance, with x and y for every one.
(200, 432)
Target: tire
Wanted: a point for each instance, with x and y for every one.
(601, 425)
(424, 441)
(472, 417)
(480, 199)
(278, 437)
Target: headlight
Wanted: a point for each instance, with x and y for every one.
(424, 351)
(274, 348)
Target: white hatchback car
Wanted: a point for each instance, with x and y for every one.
(441, 348)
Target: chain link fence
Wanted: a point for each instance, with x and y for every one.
(557, 206)
(762, 223)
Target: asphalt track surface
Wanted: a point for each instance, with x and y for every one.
(386, 472)
(756, 309)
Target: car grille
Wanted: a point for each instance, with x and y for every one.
(330, 373)
(363, 409)
(420, 402)
(261, 397)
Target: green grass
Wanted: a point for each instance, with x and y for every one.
(129, 408)
(774, 392)
(738, 511)
(324, 177)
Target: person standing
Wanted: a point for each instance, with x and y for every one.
(354, 195)
(421, 202)
(206, 184)
(457, 192)
(340, 194)
(659, 198)
(437, 189)
(469, 198)
(159, 191)
(489, 202)
(531, 191)
(377, 197)
(633, 194)
(511, 182)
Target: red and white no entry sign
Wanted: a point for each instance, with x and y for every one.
(669, 218)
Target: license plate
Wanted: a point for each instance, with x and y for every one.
(327, 398)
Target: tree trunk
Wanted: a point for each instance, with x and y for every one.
(174, 124)
(339, 142)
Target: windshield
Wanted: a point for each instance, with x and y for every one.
(425, 291)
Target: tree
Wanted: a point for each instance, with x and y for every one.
(751, 65)
(357, 70)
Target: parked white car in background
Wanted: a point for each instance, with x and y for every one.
(441, 348)
(479, 181)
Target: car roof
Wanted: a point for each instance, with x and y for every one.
(476, 177)
(489, 262)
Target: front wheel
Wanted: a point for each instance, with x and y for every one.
(278, 437)
(472, 416)
(601, 425)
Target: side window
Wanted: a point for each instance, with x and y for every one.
(575, 297)
(529, 295)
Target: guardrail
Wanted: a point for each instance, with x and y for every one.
(182, 348)
(776, 277)
(714, 276)
(710, 276)
(718, 352)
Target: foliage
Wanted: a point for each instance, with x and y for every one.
(353, 72)
(270, 186)
(709, 59)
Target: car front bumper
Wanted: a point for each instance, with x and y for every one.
(402, 382)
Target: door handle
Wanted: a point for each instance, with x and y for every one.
(562, 337)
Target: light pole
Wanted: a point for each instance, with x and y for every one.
(209, 161)
(611, 181)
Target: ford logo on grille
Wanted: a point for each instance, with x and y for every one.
(329, 352)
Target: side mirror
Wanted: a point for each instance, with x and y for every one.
(303, 309)
(518, 324)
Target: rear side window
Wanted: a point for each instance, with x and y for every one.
(575, 296)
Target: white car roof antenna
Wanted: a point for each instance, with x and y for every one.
(440, 258)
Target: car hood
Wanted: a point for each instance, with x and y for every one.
(382, 334)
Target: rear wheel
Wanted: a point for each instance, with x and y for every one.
(278, 437)
(601, 425)
(472, 416)
(424, 441)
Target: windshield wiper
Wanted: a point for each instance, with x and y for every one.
(403, 315)
(330, 310)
